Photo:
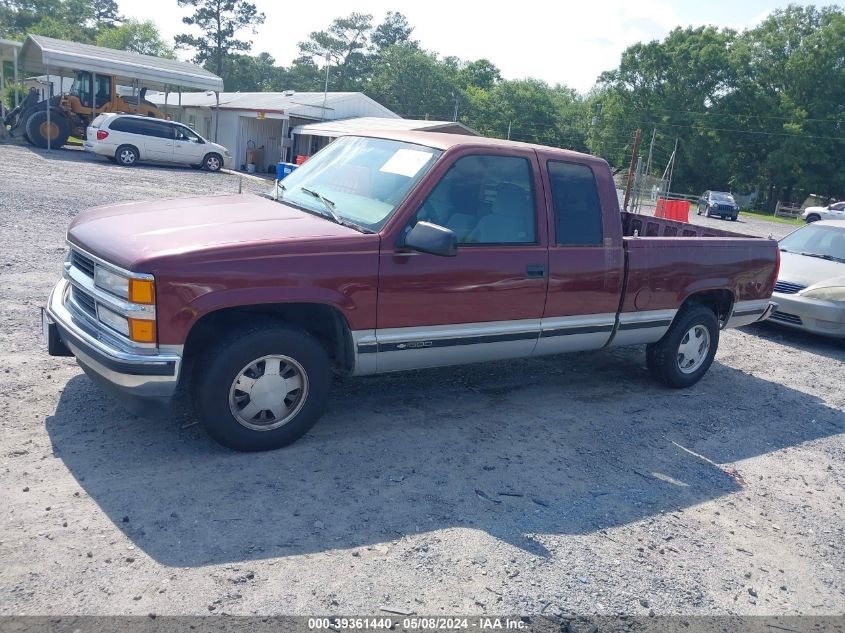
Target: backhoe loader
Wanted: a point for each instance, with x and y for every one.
(71, 113)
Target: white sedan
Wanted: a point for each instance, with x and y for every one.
(834, 211)
(810, 289)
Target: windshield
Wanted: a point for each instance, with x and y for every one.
(721, 197)
(359, 180)
(827, 242)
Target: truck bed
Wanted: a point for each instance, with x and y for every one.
(647, 226)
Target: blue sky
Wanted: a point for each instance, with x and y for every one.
(562, 41)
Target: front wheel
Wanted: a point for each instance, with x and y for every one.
(262, 387)
(813, 218)
(686, 351)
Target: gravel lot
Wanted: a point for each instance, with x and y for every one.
(558, 485)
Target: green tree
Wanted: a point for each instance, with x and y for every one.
(247, 73)
(346, 45)
(219, 22)
(414, 83)
(138, 37)
(395, 29)
(105, 13)
(482, 73)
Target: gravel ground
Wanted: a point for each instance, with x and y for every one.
(557, 485)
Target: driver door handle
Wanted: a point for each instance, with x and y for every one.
(535, 271)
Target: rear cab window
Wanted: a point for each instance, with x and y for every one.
(578, 218)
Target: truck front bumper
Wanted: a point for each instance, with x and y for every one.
(142, 380)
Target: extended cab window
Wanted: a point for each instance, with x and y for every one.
(485, 200)
(576, 200)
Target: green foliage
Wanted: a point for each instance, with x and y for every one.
(758, 110)
(346, 46)
(218, 21)
(138, 37)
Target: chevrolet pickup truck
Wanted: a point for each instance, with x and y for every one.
(384, 252)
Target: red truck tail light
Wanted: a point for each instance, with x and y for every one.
(102, 135)
(777, 266)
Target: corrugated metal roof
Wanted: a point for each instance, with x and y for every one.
(334, 129)
(42, 54)
(309, 104)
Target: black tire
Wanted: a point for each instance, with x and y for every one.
(127, 156)
(663, 358)
(734, 217)
(36, 129)
(813, 217)
(223, 363)
(212, 162)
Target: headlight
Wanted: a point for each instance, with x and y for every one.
(111, 282)
(135, 290)
(831, 293)
(113, 320)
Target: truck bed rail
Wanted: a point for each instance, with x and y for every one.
(647, 226)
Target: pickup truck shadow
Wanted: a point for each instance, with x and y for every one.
(520, 450)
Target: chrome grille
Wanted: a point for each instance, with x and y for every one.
(84, 301)
(786, 318)
(787, 288)
(83, 263)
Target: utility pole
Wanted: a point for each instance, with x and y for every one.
(455, 116)
(650, 150)
(638, 135)
(326, 91)
(672, 168)
(509, 130)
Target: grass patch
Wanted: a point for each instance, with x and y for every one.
(765, 215)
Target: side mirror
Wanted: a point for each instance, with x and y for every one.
(430, 238)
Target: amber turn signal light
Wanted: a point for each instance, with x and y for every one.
(141, 291)
(142, 331)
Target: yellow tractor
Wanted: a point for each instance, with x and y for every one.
(70, 114)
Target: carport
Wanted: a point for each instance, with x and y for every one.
(52, 57)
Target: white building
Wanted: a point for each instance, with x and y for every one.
(263, 121)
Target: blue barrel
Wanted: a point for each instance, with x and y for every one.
(284, 169)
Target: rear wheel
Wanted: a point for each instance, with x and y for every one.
(686, 351)
(38, 130)
(212, 162)
(262, 387)
(126, 155)
(813, 217)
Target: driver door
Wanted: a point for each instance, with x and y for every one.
(486, 302)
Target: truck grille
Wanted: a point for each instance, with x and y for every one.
(83, 301)
(786, 318)
(787, 288)
(83, 263)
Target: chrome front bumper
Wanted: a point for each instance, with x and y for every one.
(137, 373)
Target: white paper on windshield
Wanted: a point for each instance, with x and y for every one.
(406, 162)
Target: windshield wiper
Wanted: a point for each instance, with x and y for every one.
(330, 206)
(829, 258)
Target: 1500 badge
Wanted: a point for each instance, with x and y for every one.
(414, 345)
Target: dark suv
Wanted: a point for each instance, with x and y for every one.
(718, 203)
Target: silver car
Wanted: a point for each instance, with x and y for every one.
(810, 290)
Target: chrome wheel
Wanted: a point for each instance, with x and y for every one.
(692, 351)
(212, 163)
(127, 156)
(268, 393)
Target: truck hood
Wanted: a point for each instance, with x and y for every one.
(129, 233)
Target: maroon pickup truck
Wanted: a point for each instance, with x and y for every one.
(387, 252)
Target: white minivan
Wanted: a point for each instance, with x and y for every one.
(128, 139)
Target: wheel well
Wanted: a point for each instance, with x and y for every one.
(323, 322)
(720, 301)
